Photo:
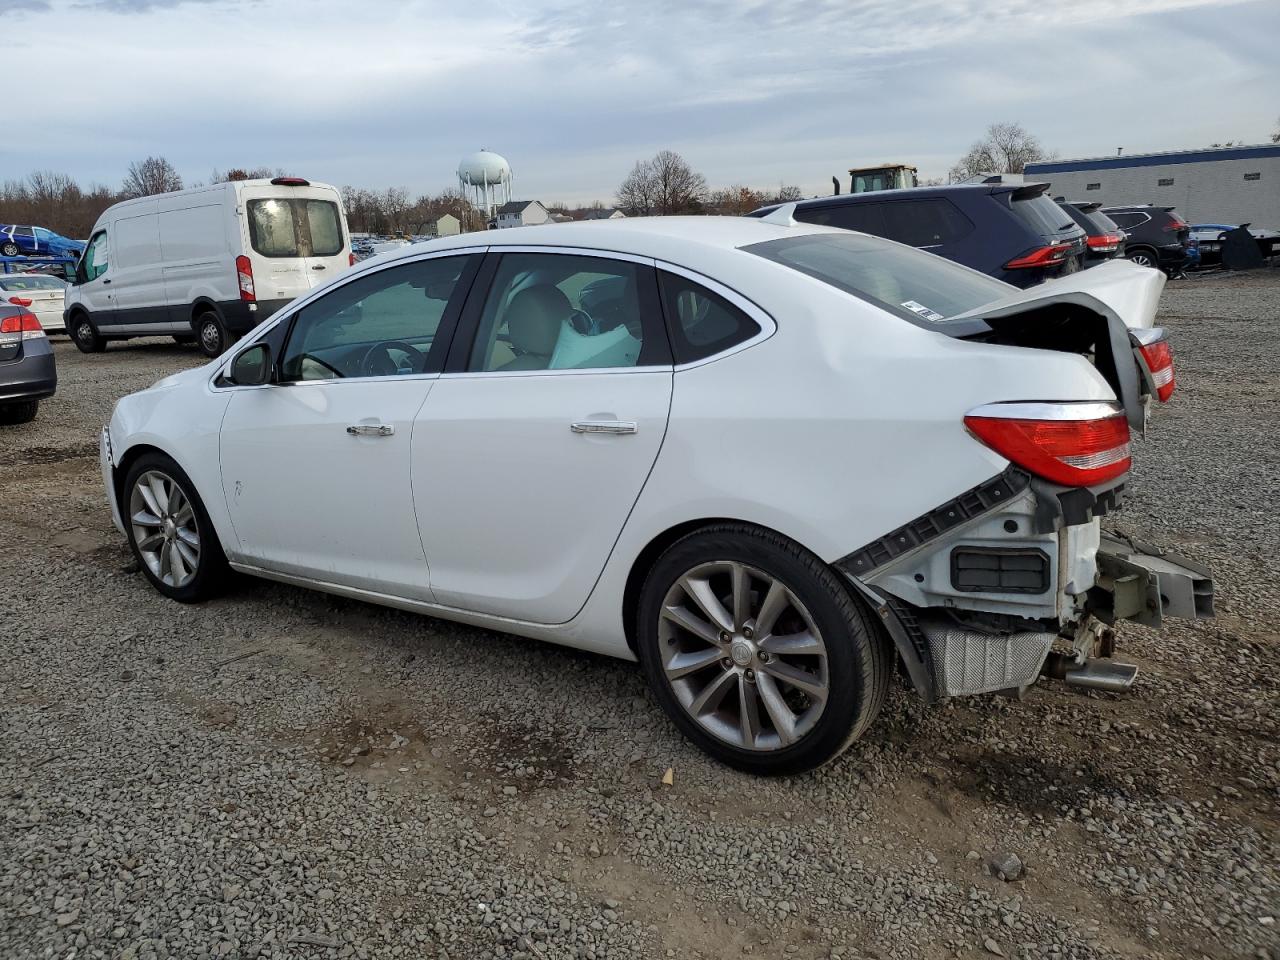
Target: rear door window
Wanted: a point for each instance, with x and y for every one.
(294, 227)
(925, 223)
(863, 217)
(1129, 220)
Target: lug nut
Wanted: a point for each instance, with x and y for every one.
(727, 663)
(764, 656)
(751, 676)
(748, 632)
(724, 637)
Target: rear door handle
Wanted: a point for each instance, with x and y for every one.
(318, 266)
(370, 430)
(604, 426)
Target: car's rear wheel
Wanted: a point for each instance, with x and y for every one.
(170, 532)
(9, 250)
(758, 651)
(212, 334)
(21, 412)
(1143, 258)
(85, 336)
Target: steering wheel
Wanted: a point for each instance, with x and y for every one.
(378, 362)
(583, 323)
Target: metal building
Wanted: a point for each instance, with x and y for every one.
(1217, 185)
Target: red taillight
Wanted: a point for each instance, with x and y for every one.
(351, 259)
(1174, 225)
(1074, 444)
(1040, 257)
(21, 326)
(244, 272)
(1104, 242)
(1157, 354)
(290, 182)
(20, 301)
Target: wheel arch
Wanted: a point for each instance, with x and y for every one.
(199, 305)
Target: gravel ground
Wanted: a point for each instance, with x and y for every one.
(284, 774)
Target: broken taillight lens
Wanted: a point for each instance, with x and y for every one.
(1157, 354)
(1073, 444)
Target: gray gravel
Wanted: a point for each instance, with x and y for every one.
(284, 774)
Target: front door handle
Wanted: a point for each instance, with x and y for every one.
(370, 430)
(318, 266)
(604, 426)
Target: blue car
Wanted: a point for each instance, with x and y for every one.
(1011, 231)
(18, 240)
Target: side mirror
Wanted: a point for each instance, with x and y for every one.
(252, 367)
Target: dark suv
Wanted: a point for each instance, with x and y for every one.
(1105, 240)
(1158, 237)
(1013, 232)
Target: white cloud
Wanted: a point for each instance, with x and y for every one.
(573, 92)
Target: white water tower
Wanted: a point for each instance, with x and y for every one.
(485, 180)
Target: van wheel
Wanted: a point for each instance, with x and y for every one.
(86, 338)
(212, 335)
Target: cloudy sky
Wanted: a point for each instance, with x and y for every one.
(573, 92)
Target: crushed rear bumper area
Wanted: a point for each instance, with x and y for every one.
(978, 593)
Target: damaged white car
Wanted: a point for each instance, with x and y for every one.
(774, 462)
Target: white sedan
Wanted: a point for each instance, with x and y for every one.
(41, 294)
(773, 462)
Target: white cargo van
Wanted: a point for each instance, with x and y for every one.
(205, 264)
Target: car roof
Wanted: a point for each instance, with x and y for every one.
(668, 237)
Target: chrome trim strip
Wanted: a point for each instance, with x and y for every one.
(1049, 410)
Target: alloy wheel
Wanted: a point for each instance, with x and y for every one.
(743, 656)
(164, 528)
(1142, 260)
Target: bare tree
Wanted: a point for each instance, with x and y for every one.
(395, 206)
(1006, 147)
(1275, 137)
(787, 193)
(636, 196)
(150, 176)
(735, 201)
(243, 173)
(678, 189)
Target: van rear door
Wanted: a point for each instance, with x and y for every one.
(296, 235)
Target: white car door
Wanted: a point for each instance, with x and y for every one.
(530, 453)
(94, 278)
(315, 466)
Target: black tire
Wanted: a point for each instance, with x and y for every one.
(1143, 256)
(9, 249)
(24, 411)
(858, 660)
(212, 334)
(85, 336)
(211, 572)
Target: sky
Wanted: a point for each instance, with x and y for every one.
(574, 92)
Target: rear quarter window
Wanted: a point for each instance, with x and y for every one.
(863, 217)
(701, 323)
(925, 223)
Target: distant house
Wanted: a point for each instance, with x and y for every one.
(561, 218)
(606, 213)
(445, 225)
(521, 213)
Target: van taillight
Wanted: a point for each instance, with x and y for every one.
(1157, 354)
(1073, 444)
(1040, 257)
(351, 259)
(244, 272)
(290, 182)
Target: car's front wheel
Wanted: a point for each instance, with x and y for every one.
(170, 531)
(9, 250)
(757, 650)
(1143, 258)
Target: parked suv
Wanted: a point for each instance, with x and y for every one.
(1105, 240)
(1013, 232)
(25, 240)
(1157, 237)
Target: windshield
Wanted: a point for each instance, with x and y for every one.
(32, 281)
(912, 284)
(293, 227)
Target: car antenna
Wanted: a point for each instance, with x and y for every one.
(784, 216)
